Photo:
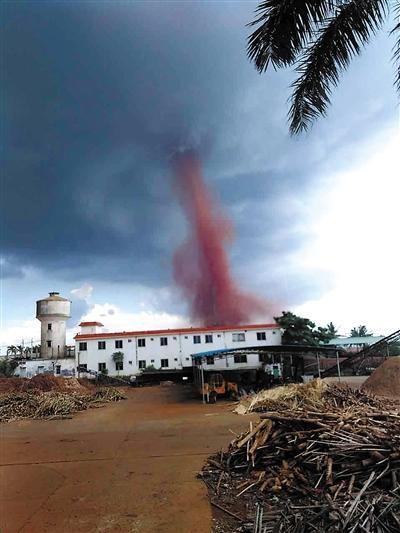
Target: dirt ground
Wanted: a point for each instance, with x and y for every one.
(129, 466)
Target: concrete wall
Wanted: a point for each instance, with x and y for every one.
(56, 336)
(178, 350)
(58, 367)
(54, 312)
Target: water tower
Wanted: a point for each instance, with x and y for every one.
(53, 313)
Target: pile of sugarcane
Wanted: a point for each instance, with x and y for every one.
(301, 470)
(108, 394)
(52, 404)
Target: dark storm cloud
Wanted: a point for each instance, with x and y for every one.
(97, 98)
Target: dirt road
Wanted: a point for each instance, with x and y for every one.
(128, 467)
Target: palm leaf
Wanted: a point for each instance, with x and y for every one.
(339, 39)
(396, 53)
(286, 26)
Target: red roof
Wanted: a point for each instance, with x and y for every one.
(87, 324)
(171, 331)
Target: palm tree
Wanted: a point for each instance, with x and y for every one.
(319, 37)
(12, 350)
(332, 331)
(361, 331)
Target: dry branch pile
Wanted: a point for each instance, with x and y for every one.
(331, 469)
(51, 404)
(293, 395)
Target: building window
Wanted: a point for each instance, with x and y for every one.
(209, 339)
(261, 336)
(58, 370)
(218, 335)
(101, 345)
(187, 358)
(141, 343)
(164, 363)
(48, 344)
(142, 364)
(238, 337)
(129, 340)
(174, 338)
(196, 339)
(119, 365)
(240, 358)
(274, 333)
(186, 336)
(102, 367)
(130, 362)
(82, 367)
(82, 346)
(119, 344)
(210, 359)
(49, 327)
(152, 361)
(164, 342)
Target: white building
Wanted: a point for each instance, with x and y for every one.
(168, 349)
(64, 367)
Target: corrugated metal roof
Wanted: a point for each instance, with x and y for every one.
(345, 341)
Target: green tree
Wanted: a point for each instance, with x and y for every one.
(332, 330)
(299, 330)
(118, 358)
(7, 366)
(319, 37)
(360, 331)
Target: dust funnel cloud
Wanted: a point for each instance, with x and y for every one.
(201, 266)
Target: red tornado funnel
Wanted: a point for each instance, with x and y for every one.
(201, 266)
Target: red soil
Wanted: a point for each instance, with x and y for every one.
(42, 382)
(385, 380)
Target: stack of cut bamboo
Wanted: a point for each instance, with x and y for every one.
(52, 404)
(335, 468)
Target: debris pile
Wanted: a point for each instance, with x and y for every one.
(385, 380)
(42, 382)
(335, 468)
(52, 404)
(293, 395)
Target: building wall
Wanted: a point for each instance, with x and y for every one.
(58, 367)
(178, 350)
(55, 336)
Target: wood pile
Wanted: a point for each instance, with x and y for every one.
(293, 395)
(52, 404)
(331, 469)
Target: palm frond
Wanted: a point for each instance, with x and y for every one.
(286, 26)
(339, 40)
(396, 52)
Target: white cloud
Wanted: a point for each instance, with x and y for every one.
(116, 319)
(84, 292)
(26, 331)
(355, 216)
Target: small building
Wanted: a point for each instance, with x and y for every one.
(165, 349)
